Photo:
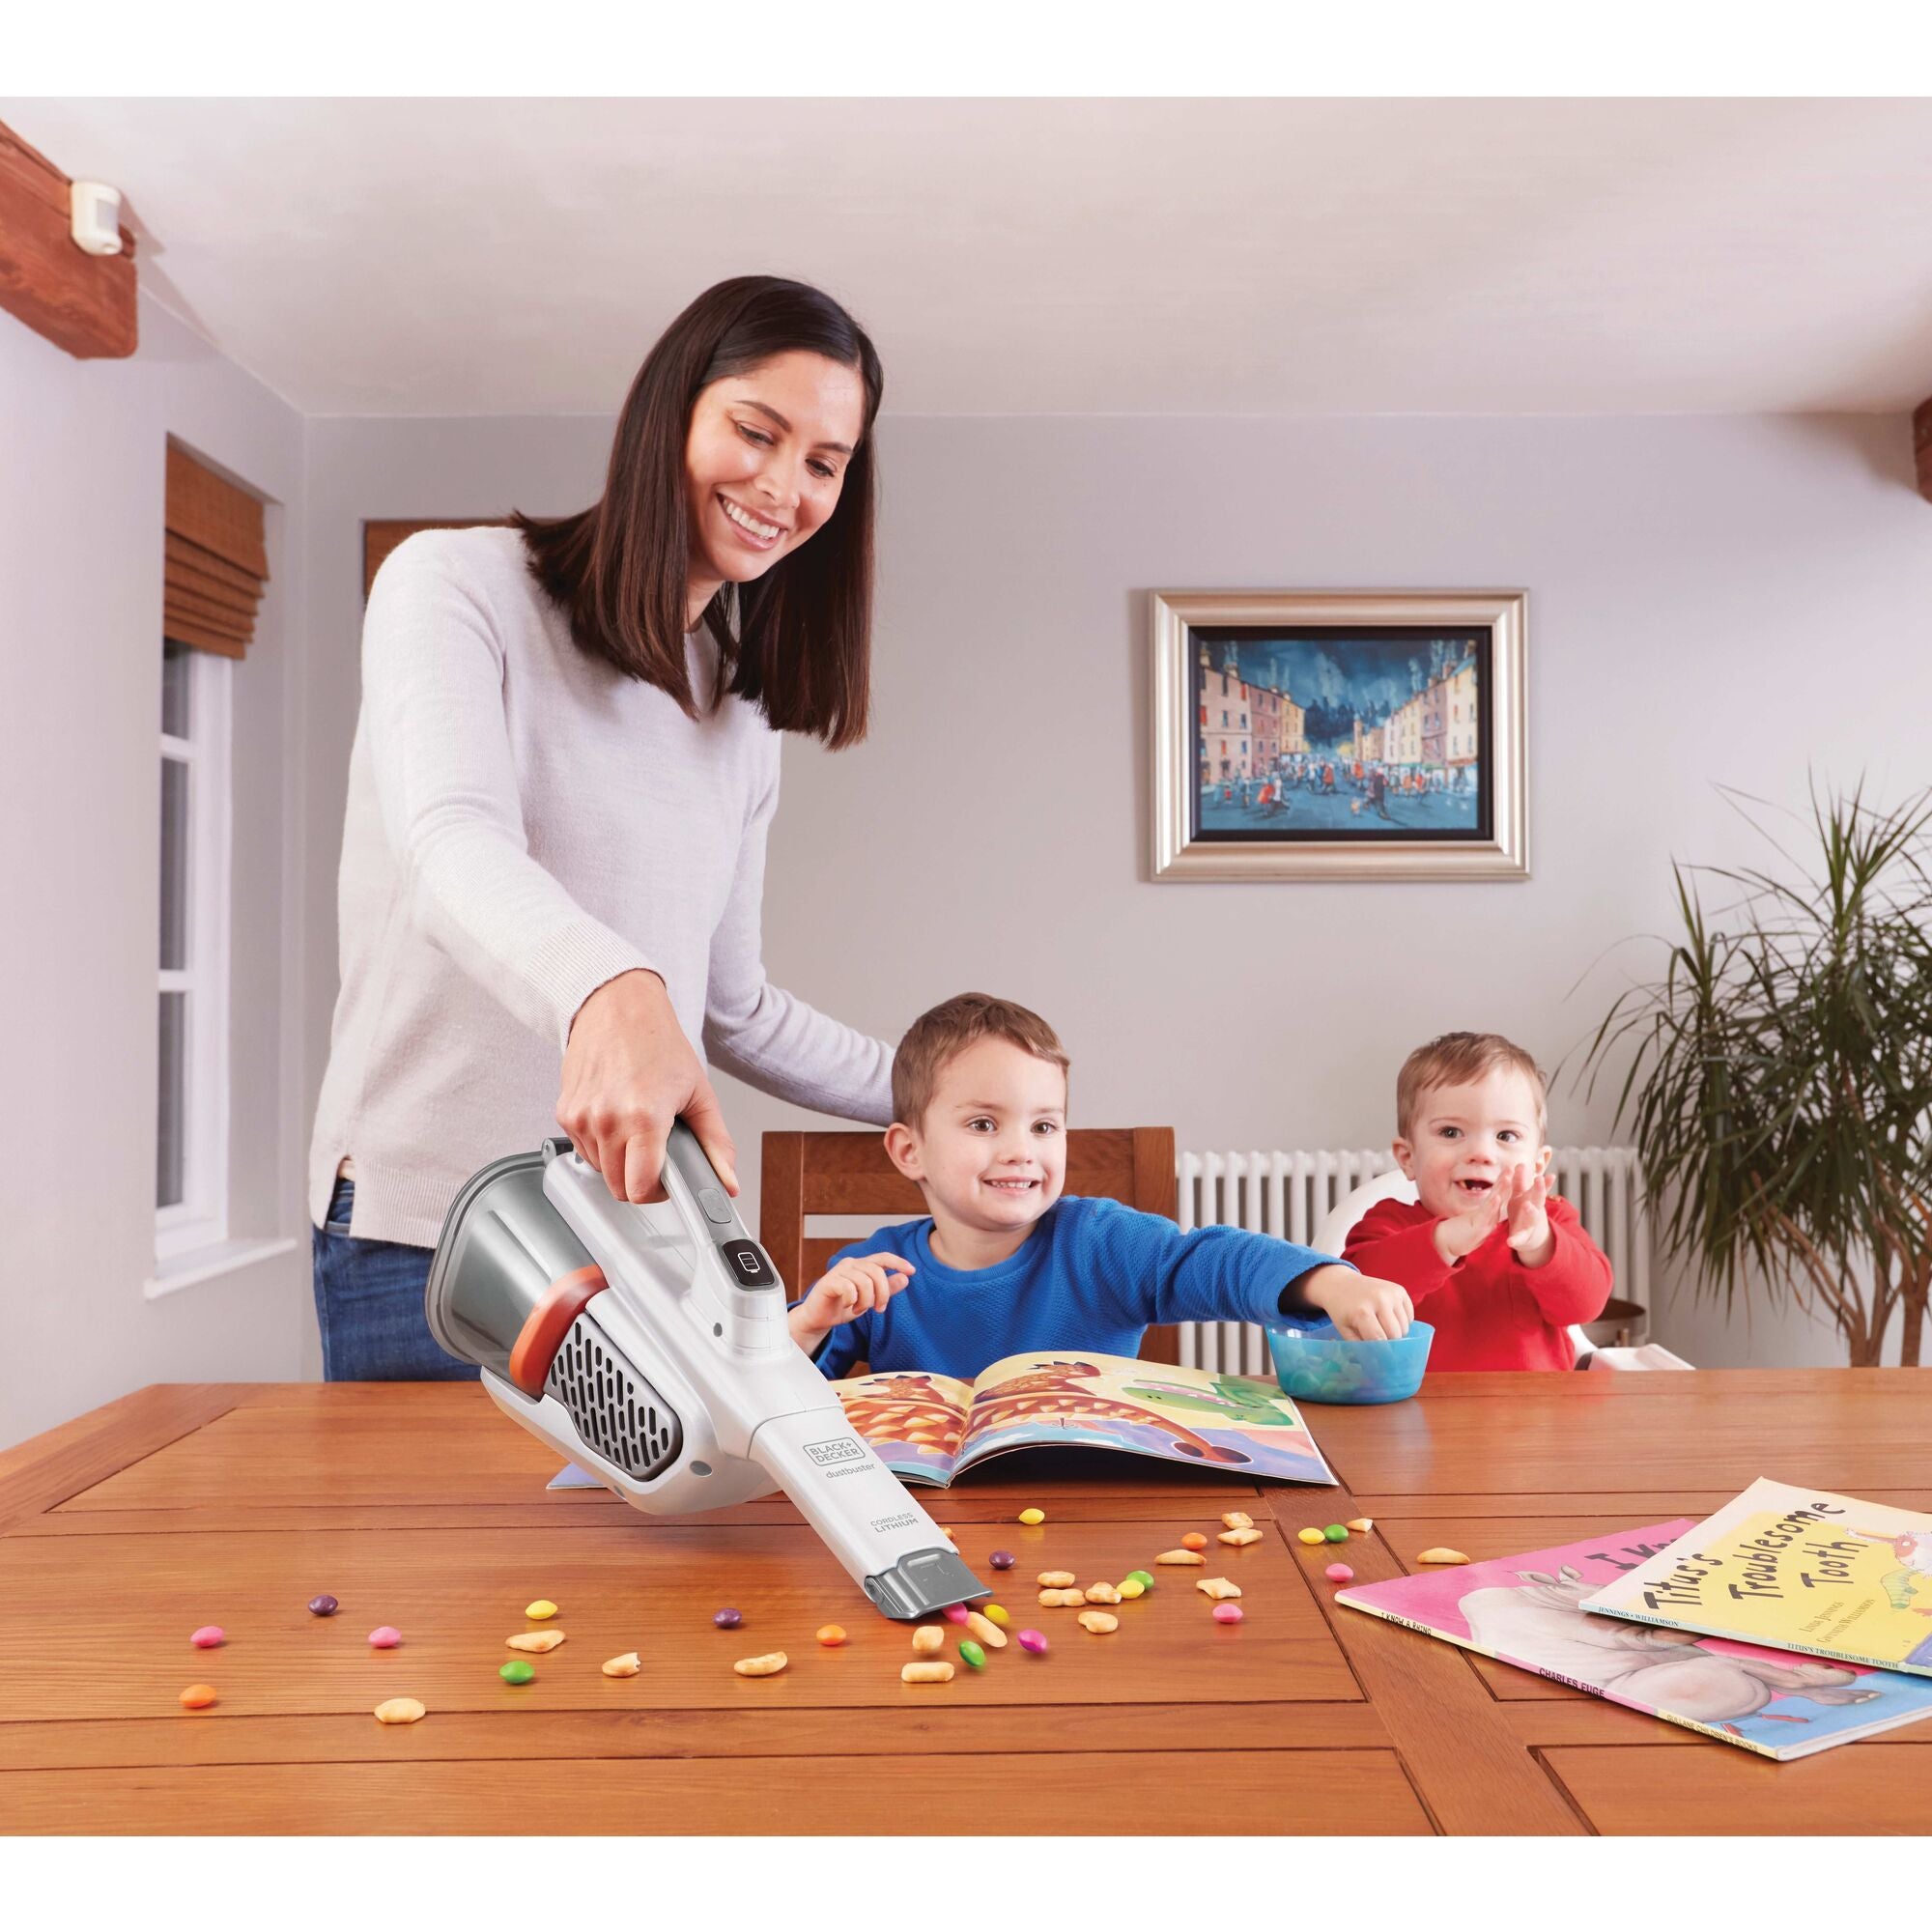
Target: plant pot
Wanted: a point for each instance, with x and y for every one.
(1622, 1324)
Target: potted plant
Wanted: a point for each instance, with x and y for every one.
(1779, 1088)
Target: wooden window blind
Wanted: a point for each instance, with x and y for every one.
(216, 559)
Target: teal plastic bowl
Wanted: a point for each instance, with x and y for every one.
(1314, 1364)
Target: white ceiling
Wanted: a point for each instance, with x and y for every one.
(517, 257)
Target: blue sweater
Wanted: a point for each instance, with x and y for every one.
(1091, 1274)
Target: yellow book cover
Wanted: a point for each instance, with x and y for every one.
(1796, 1569)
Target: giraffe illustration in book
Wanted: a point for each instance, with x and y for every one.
(1543, 1626)
(1915, 1562)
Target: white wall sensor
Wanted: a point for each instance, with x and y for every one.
(95, 210)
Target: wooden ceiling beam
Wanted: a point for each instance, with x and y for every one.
(83, 303)
(1921, 445)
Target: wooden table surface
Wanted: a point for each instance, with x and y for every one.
(418, 1505)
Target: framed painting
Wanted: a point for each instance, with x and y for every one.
(1339, 735)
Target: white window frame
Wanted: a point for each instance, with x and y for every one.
(200, 1218)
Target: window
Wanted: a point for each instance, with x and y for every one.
(191, 1168)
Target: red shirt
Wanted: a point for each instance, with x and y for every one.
(1489, 1311)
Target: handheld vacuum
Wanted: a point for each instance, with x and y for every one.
(657, 1357)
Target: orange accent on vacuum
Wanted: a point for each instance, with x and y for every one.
(549, 1322)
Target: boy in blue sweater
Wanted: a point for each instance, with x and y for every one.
(1006, 1263)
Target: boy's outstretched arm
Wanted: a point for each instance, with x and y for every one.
(1363, 1307)
(1157, 1274)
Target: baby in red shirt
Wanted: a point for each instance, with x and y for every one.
(1495, 1261)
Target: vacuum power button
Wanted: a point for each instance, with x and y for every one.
(716, 1206)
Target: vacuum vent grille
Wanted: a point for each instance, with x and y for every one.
(616, 1412)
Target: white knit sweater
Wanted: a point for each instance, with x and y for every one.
(524, 824)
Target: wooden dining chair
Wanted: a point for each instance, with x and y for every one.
(805, 1174)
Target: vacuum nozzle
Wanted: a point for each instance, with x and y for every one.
(923, 1581)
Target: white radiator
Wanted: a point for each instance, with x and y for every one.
(1287, 1194)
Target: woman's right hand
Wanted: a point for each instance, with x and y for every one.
(628, 1073)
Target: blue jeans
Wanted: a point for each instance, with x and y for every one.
(369, 1305)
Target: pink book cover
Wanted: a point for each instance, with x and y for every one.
(1525, 1611)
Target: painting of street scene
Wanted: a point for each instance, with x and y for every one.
(1362, 734)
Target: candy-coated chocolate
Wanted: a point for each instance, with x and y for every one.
(1144, 1577)
(973, 1654)
(207, 1636)
(1131, 1588)
(1001, 1559)
(1032, 1640)
(1228, 1613)
(1336, 1532)
(384, 1637)
(831, 1635)
(1339, 1573)
(516, 1671)
(955, 1613)
(998, 1613)
(197, 1697)
(728, 1620)
(1309, 1536)
(1194, 1540)
(542, 1607)
(1032, 1516)
(324, 1605)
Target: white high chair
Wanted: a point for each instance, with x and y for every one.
(1395, 1185)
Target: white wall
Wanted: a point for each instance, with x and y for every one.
(81, 471)
(1712, 601)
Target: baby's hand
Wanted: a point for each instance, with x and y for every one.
(852, 1287)
(1362, 1307)
(1528, 1219)
(1460, 1234)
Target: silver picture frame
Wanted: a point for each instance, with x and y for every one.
(1186, 623)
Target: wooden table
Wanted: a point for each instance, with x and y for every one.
(420, 1506)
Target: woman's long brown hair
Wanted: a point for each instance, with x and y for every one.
(802, 645)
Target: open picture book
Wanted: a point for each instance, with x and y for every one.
(929, 1428)
(1531, 1612)
(1801, 1568)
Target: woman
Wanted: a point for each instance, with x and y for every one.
(565, 766)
